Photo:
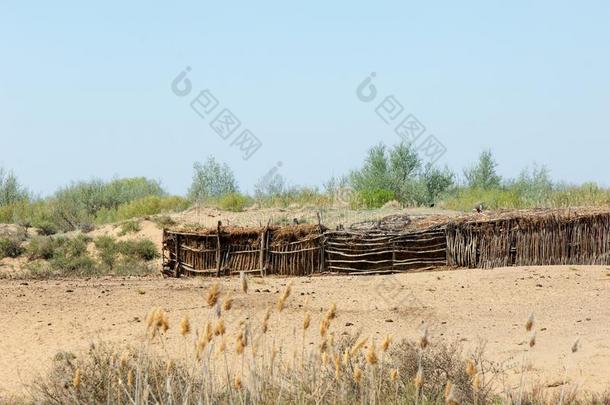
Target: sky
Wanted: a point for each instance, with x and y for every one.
(92, 90)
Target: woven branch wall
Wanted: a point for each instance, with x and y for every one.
(549, 240)
(306, 249)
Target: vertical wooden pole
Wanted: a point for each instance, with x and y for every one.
(394, 255)
(264, 239)
(322, 242)
(178, 267)
(261, 257)
(218, 250)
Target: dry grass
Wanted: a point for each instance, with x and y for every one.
(258, 369)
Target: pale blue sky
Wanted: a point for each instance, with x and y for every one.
(85, 89)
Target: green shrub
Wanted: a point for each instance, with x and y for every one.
(10, 247)
(70, 256)
(233, 202)
(75, 266)
(47, 228)
(41, 247)
(125, 257)
(301, 196)
(80, 203)
(151, 205)
(107, 251)
(116, 255)
(375, 198)
(130, 227)
(87, 227)
(164, 221)
(143, 249)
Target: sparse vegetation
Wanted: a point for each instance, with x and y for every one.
(253, 370)
(130, 227)
(125, 257)
(142, 207)
(62, 256)
(235, 202)
(163, 221)
(83, 204)
(10, 247)
(47, 228)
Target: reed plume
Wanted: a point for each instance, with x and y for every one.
(337, 364)
(237, 384)
(357, 346)
(371, 355)
(357, 375)
(281, 302)
(306, 321)
(530, 322)
(332, 312)
(220, 329)
(386, 342)
(213, 294)
(575, 345)
(324, 325)
(419, 378)
(452, 398)
(471, 369)
(185, 326)
(76, 381)
(265, 322)
(227, 303)
(532, 341)
(424, 340)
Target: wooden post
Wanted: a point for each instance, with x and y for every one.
(218, 250)
(322, 266)
(177, 247)
(393, 255)
(261, 261)
(261, 258)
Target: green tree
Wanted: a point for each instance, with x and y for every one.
(483, 174)
(11, 191)
(271, 185)
(534, 186)
(375, 173)
(211, 180)
(436, 182)
(387, 174)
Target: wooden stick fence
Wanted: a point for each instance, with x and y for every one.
(306, 249)
(549, 240)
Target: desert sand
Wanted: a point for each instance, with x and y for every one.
(40, 318)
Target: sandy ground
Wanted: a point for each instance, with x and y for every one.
(40, 318)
